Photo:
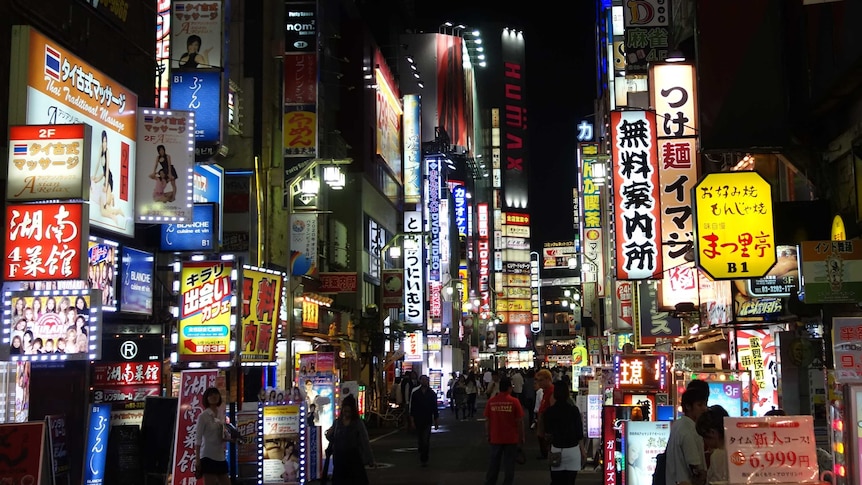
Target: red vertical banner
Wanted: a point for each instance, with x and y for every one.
(193, 383)
(636, 195)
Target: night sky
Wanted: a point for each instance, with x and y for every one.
(561, 87)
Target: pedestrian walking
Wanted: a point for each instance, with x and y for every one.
(528, 398)
(504, 426)
(423, 412)
(472, 393)
(565, 430)
(351, 448)
(517, 384)
(546, 386)
(685, 462)
(459, 395)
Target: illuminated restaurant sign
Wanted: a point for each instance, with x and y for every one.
(735, 231)
(45, 242)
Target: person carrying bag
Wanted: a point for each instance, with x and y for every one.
(564, 426)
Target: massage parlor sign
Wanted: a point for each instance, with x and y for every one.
(48, 162)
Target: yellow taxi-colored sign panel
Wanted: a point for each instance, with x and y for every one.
(735, 232)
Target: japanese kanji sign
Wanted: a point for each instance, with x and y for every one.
(592, 249)
(413, 347)
(646, 33)
(46, 242)
(846, 335)
(206, 289)
(48, 162)
(636, 195)
(771, 449)
(673, 95)
(414, 285)
(734, 226)
(832, 271)
(260, 311)
(677, 176)
(192, 386)
(642, 372)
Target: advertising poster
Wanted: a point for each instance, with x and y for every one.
(846, 334)
(196, 28)
(261, 307)
(53, 325)
(303, 244)
(208, 187)
(300, 131)
(832, 271)
(594, 416)
(166, 157)
(200, 92)
(25, 462)
(247, 446)
(48, 162)
(393, 288)
(317, 381)
(136, 280)
(389, 113)
(644, 440)
(412, 148)
(728, 394)
(62, 89)
(96, 453)
(199, 234)
(300, 34)
(102, 271)
(716, 301)
(22, 392)
(755, 351)
(300, 78)
(45, 242)
(57, 444)
(193, 383)
(281, 444)
(771, 449)
(206, 290)
(163, 51)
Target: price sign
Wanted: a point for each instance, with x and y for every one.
(846, 334)
(771, 449)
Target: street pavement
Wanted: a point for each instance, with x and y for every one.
(459, 454)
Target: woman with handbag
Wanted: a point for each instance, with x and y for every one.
(351, 449)
(210, 440)
(566, 435)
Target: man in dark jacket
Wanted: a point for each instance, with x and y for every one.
(423, 411)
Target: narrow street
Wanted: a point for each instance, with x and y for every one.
(459, 455)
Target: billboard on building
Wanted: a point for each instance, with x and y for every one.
(261, 306)
(412, 122)
(389, 111)
(45, 242)
(166, 149)
(56, 87)
(197, 29)
(513, 123)
(48, 162)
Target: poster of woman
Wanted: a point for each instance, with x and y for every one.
(166, 155)
(196, 31)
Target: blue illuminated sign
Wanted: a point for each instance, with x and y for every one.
(97, 444)
(199, 91)
(459, 193)
(199, 235)
(209, 188)
(136, 280)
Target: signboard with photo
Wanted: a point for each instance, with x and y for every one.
(53, 325)
(166, 151)
(58, 87)
(281, 444)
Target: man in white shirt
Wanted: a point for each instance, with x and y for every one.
(486, 379)
(517, 384)
(686, 464)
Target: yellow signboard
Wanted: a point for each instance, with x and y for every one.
(734, 225)
(839, 233)
(206, 290)
(261, 302)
